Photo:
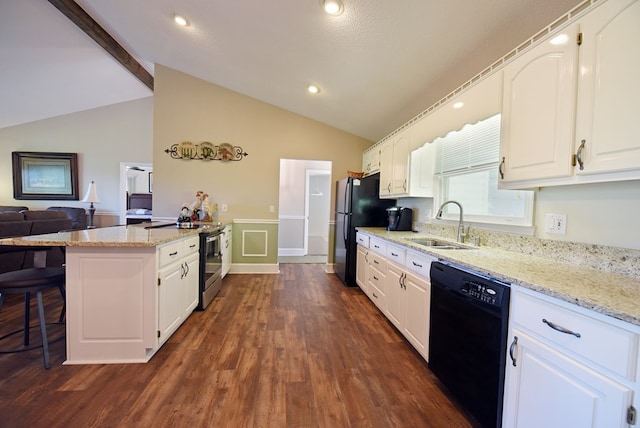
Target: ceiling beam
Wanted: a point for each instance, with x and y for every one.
(78, 16)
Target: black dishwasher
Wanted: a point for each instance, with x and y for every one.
(467, 338)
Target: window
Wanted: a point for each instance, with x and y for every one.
(467, 170)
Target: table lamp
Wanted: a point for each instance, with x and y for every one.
(91, 197)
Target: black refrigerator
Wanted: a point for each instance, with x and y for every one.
(357, 205)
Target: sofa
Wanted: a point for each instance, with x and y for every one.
(35, 222)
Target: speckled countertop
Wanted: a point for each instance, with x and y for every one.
(116, 236)
(608, 293)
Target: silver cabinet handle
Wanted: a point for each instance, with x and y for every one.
(512, 350)
(561, 329)
(579, 154)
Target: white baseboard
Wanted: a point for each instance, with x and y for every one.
(254, 268)
(329, 268)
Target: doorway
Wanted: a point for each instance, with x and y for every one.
(135, 177)
(304, 208)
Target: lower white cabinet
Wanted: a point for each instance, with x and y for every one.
(408, 300)
(123, 303)
(362, 267)
(398, 284)
(377, 280)
(226, 249)
(567, 368)
(177, 285)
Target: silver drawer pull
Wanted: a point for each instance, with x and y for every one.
(561, 329)
(417, 264)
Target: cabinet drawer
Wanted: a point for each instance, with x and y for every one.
(378, 262)
(378, 245)
(419, 263)
(396, 254)
(170, 252)
(362, 239)
(604, 344)
(191, 245)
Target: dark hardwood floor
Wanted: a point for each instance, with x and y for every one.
(298, 349)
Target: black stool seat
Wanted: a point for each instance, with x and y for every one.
(34, 280)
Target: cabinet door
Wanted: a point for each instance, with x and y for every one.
(190, 283)
(538, 111)
(386, 169)
(549, 389)
(416, 322)
(396, 307)
(608, 112)
(400, 180)
(226, 251)
(170, 299)
(362, 266)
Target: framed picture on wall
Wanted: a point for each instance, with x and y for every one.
(40, 175)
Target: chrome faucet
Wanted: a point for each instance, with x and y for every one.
(461, 233)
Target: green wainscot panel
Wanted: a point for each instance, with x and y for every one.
(255, 243)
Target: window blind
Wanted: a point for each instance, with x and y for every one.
(473, 146)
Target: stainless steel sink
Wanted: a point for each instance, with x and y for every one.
(440, 245)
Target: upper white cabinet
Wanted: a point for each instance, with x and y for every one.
(405, 172)
(371, 160)
(609, 91)
(538, 107)
(569, 103)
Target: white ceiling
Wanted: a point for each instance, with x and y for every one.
(378, 64)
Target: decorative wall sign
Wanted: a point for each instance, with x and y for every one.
(206, 151)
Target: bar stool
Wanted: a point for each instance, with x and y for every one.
(33, 280)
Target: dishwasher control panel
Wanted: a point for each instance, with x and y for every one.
(487, 293)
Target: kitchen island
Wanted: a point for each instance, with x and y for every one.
(128, 289)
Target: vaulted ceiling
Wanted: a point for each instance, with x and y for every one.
(377, 64)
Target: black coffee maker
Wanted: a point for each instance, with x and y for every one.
(399, 218)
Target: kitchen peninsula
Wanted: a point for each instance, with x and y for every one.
(128, 289)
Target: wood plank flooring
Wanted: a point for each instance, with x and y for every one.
(297, 349)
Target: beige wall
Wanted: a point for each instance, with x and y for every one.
(102, 137)
(189, 109)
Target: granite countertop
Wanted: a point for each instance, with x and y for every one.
(116, 236)
(610, 294)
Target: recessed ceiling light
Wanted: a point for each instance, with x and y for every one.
(313, 89)
(181, 20)
(459, 104)
(333, 7)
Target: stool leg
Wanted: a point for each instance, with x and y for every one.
(43, 330)
(27, 317)
(64, 303)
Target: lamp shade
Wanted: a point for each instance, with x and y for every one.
(92, 194)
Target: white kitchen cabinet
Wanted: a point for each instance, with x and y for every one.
(567, 366)
(123, 303)
(227, 240)
(568, 110)
(400, 162)
(362, 267)
(405, 172)
(377, 280)
(408, 299)
(371, 160)
(178, 277)
(538, 109)
(386, 169)
(609, 89)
